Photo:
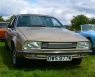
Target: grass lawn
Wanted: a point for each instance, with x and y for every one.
(45, 69)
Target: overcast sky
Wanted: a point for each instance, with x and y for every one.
(64, 10)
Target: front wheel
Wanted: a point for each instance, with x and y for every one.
(91, 46)
(15, 59)
(6, 45)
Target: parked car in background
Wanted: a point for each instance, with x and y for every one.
(88, 31)
(3, 29)
(43, 37)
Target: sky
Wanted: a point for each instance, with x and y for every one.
(64, 10)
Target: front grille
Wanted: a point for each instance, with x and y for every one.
(53, 45)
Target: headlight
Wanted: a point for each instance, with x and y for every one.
(83, 45)
(32, 45)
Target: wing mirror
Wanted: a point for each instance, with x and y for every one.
(10, 26)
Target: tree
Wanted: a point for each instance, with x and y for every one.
(10, 19)
(79, 20)
(92, 21)
(1, 18)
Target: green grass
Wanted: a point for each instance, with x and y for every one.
(44, 69)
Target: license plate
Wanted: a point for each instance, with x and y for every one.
(59, 58)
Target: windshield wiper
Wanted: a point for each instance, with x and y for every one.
(58, 26)
(38, 26)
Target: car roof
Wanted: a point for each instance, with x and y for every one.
(33, 14)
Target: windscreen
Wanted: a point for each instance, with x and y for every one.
(38, 21)
(88, 27)
(3, 25)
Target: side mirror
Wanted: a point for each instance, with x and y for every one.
(10, 26)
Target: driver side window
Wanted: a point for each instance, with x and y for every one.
(55, 22)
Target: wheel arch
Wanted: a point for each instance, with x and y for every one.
(13, 43)
(90, 39)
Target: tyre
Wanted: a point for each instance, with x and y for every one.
(6, 46)
(15, 60)
(77, 61)
(91, 46)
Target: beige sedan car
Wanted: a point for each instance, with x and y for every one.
(44, 37)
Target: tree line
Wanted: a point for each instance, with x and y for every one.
(8, 20)
(80, 20)
(76, 21)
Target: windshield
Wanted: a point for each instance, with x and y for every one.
(38, 21)
(88, 27)
(3, 25)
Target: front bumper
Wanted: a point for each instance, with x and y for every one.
(43, 54)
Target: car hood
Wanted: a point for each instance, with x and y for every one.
(89, 32)
(49, 34)
(3, 29)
